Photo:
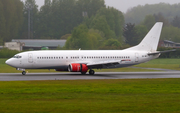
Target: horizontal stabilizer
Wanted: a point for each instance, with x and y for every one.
(159, 52)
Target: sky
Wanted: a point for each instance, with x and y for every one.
(124, 5)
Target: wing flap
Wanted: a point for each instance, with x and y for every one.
(103, 64)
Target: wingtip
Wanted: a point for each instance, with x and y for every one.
(159, 23)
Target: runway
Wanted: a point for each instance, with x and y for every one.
(98, 75)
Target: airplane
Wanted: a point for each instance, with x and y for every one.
(84, 60)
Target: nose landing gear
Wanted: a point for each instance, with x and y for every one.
(24, 73)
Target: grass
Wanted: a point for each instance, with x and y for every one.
(97, 96)
(173, 64)
(126, 96)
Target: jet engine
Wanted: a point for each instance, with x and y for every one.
(77, 68)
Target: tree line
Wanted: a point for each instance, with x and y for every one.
(87, 21)
(86, 24)
(136, 14)
(11, 19)
(140, 19)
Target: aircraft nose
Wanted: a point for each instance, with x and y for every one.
(13, 62)
(8, 62)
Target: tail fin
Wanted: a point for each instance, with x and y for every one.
(151, 40)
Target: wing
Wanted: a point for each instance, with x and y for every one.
(105, 64)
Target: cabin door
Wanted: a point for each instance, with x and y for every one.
(136, 57)
(30, 58)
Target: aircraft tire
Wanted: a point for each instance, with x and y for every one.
(91, 72)
(24, 73)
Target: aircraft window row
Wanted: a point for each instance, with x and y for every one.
(49, 57)
(17, 56)
(74, 57)
(88, 57)
(104, 57)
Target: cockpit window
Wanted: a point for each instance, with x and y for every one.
(17, 56)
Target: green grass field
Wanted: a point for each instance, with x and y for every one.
(87, 96)
(97, 96)
(173, 64)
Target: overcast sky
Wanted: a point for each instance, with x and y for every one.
(124, 5)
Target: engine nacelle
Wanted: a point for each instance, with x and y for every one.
(77, 68)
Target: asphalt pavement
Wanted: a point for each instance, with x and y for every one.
(78, 76)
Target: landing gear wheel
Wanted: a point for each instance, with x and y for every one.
(91, 72)
(83, 73)
(24, 73)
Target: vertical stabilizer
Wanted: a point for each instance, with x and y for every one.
(151, 40)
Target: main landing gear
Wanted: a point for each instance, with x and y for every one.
(24, 73)
(91, 72)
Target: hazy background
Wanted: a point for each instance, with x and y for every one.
(124, 5)
(90, 25)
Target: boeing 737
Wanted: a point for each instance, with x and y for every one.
(84, 60)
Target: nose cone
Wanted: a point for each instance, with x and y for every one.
(10, 62)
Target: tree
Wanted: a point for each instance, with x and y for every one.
(30, 5)
(176, 22)
(59, 17)
(2, 24)
(130, 34)
(137, 14)
(95, 39)
(160, 18)
(100, 23)
(111, 44)
(79, 38)
(149, 21)
(114, 18)
(43, 29)
(141, 31)
(90, 6)
(84, 38)
(171, 33)
(10, 19)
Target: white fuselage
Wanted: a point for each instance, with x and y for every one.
(82, 61)
(61, 59)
